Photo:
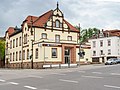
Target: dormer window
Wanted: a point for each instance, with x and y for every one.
(57, 23)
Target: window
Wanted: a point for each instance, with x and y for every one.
(36, 53)
(16, 56)
(16, 42)
(20, 41)
(94, 53)
(101, 52)
(109, 51)
(94, 43)
(13, 56)
(69, 38)
(13, 43)
(27, 53)
(57, 23)
(19, 55)
(10, 56)
(25, 39)
(7, 45)
(23, 54)
(101, 43)
(109, 42)
(44, 35)
(54, 52)
(57, 38)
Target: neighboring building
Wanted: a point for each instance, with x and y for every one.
(47, 39)
(106, 46)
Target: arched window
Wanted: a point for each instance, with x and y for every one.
(57, 23)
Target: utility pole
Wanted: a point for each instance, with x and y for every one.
(32, 43)
(79, 45)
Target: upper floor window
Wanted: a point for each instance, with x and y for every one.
(20, 41)
(101, 52)
(16, 42)
(25, 39)
(101, 43)
(44, 36)
(13, 43)
(57, 23)
(94, 53)
(109, 42)
(10, 44)
(94, 43)
(57, 38)
(109, 51)
(69, 38)
(36, 53)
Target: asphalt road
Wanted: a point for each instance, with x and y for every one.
(89, 77)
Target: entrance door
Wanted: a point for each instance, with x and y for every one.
(67, 56)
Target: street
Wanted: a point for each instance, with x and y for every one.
(88, 77)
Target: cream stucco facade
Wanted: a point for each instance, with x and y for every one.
(47, 39)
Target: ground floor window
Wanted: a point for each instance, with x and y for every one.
(36, 53)
(54, 52)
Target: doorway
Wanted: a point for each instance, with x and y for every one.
(67, 56)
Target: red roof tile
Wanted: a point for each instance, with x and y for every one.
(10, 30)
(41, 20)
(72, 28)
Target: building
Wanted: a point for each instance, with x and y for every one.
(106, 46)
(47, 39)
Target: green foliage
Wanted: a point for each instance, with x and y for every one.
(86, 34)
(2, 49)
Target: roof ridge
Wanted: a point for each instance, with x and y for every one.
(42, 15)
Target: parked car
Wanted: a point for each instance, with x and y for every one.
(118, 60)
(111, 61)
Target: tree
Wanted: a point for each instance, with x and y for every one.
(86, 34)
(2, 49)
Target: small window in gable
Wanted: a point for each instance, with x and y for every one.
(44, 36)
(57, 23)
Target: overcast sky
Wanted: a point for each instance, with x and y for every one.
(102, 14)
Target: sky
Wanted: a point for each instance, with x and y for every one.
(101, 14)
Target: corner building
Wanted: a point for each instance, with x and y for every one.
(47, 39)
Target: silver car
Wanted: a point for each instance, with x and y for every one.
(111, 61)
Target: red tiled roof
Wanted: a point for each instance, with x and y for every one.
(41, 20)
(112, 32)
(72, 28)
(10, 30)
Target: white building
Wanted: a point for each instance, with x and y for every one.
(106, 46)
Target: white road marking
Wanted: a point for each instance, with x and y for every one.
(1, 80)
(81, 71)
(71, 81)
(92, 77)
(30, 87)
(58, 73)
(109, 86)
(97, 72)
(14, 83)
(115, 74)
